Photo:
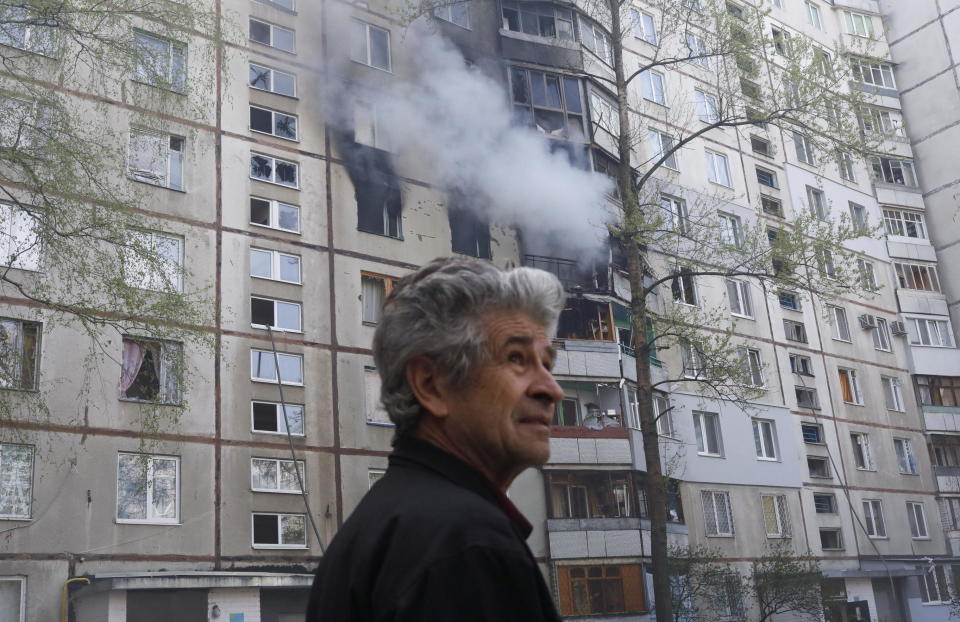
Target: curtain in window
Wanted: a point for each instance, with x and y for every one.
(170, 368)
(16, 476)
(372, 295)
(133, 353)
(148, 157)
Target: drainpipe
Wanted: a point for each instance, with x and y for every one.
(63, 595)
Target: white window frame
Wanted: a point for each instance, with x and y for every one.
(273, 29)
(868, 273)
(691, 359)
(915, 276)
(731, 230)
(142, 275)
(874, 74)
(846, 166)
(801, 365)
(707, 107)
(795, 331)
(446, 13)
(274, 219)
(594, 38)
(918, 521)
(368, 61)
(780, 514)
(933, 333)
(752, 365)
(644, 26)
(833, 502)
(174, 78)
(12, 353)
(814, 17)
(603, 113)
(720, 502)
(281, 422)
(22, 605)
(170, 388)
(817, 202)
(273, 123)
(278, 465)
(874, 523)
(697, 50)
(886, 170)
(718, 168)
(738, 294)
(702, 433)
(892, 393)
(22, 491)
(906, 459)
(839, 326)
(660, 144)
(273, 171)
(256, 353)
(276, 304)
(370, 314)
(858, 24)
(881, 335)
(168, 145)
(934, 581)
(664, 414)
(804, 149)
(766, 448)
(854, 382)
(680, 280)
(652, 87)
(272, 73)
(862, 451)
(148, 489)
(281, 544)
(904, 223)
(677, 217)
(275, 271)
(825, 258)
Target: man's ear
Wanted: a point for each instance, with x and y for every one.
(427, 385)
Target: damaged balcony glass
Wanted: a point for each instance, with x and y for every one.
(551, 103)
(376, 188)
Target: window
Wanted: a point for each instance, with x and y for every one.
(817, 203)
(274, 214)
(156, 159)
(596, 40)
(872, 73)
(858, 24)
(374, 290)
(708, 111)
(272, 122)
(717, 513)
(751, 366)
(881, 122)
(28, 32)
(263, 367)
(760, 145)
(781, 41)
(273, 80)
(850, 386)
(551, 103)
(275, 475)
(539, 19)
(812, 433)
(643, 26)
(768, 178)
(751, 89)
(846, 165)
(369, 127)
(717, 170)
(735, 10)
(776, 517)
(604, 113)
(19, 354)
(868, 276)
(800, 364)
(731, 230)
(918, 521)
(938, 390)
(893, 171)
(160, 62)
(274, 170)
(789, 300)
(275, 314)
(839, 326)
(272, 35)
(906, 462)
(806, 397)
(813, 15)
(825, 259)
(150, 371)
(662, 411)
(795, 331)
(933, 585)
(370, 45)
(929, 333)
(917, 276)
(373, 476)
(469, 232)
(873, 518)
(283, 4)
(683, 286)
(148, 489)
(824, 503)
(160, 266)
(902, 222)
(605, 589)
(661, 144)
(697, 50)
(818, 466)
(738, 293)
(692, 360)
(831, 539)
(804, 149)
(274, 265)
(862, 454)
(892, 393)
(16, 481)
(19, 240)
(765, 439)
(279, 531)
(651, 87)
(707, 426)
(458, 14)
(676, 213)
(272, 418)
(13, 598)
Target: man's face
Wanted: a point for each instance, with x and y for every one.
(501, 419)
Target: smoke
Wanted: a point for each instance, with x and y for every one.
(460, 122)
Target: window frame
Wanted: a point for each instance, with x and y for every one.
(765, 453)
(713, 170)
(812, 425)
(272, 73)
(943, 330)
(817, 203)
(274, 214)
(150, 279)
(739, 291)
(874, 522)
(781, 515)
(804, 149)
(169, 351)
(683, 286)
(728, 511)
(172, 167)
(805, 369)
(662, 142)
(892, 393)
(903, 450)
(22, 604)
(641, 21)
(278, 462)
(275, 266)
(280, 545)
(150, 458)
(832, 504)
(937, 575)
(731, 227)
(449, 17)
(814, 15)
(273, 39)
(653, 87)
(389, 282)
(899, 222)
(273, 123)
(887, 170)
(764, 175)
(8, 478)
(273, 170)
(837, 530)
(33, 375)
(839, 324)
(702, 434)
(276, 365)
(883, 71)
(276, 302)
(827, 471)
(281, 422)
(866, 24)
(22, 232)
(862, 451)
(169, 82)
(795, 331)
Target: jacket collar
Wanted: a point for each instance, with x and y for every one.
(415, 451)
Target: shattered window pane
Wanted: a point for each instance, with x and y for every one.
(16, 480)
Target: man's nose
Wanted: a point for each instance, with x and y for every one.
(545, 387)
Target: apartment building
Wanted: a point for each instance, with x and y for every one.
(297, 202)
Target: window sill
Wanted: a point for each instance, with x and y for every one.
(866, 470)
(292, 140)
(267, 45)
(274, 183)
(702, 455)
(920, 538)
(149, 183)
(722, 185)
(720, 535)
(19, 389)
(740, 315)
(167, 523)
(278, 492)
(155, 86)
(272, 381)
(131, 400)
(284, 434)
(287, 547)
(277, 329)
(254, 276)
(272, 5)
(910, 474)
(381, 424)
(878, 537)
(382, 235)
(19, 518)
(759, 459)
(257, 88)
(360, 62)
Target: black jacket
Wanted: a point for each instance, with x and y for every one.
(431, 541)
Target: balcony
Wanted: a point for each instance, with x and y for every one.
(942, 418)
(573, 275)
(948, 478)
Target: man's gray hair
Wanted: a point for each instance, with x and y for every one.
(438, 312)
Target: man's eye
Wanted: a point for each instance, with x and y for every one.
(515, 357)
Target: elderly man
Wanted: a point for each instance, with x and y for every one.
(463, 350)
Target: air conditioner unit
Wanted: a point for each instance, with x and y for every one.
(897, 328)
(867, 321)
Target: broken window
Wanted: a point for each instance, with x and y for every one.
(374, 290)
(263, 367)
(275, 475)
(274, 170)
(156, 158)
(160, 62)
(19, 354)
(273, 80)
(540, 19)
(603, 494)
(469, 231)
(276, 314)
(549, 102)
(150, 370)
(376, 188)
(582, 318)
(272, 122)
(279, 531)
(147, 488)
(16, 481)
(274, 214)
(268, 417)
(153, 261)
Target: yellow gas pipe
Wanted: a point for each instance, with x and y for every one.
(63, 595)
